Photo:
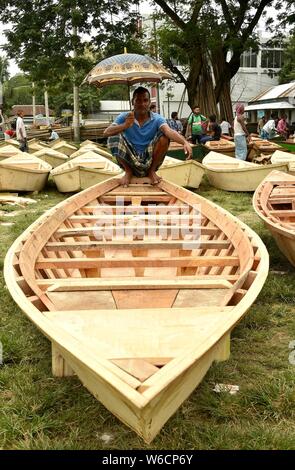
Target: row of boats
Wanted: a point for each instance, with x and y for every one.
(138, 289)
(74, 170)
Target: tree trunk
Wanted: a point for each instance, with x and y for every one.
(200, 85)
(222, 84)
(34, 103)
(76, 117)
(46, 106)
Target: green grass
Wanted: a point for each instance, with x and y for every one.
(42, 412)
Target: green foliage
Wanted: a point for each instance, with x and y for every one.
(287, 73)
(18, 90)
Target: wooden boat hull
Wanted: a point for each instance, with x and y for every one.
(14, 179)
(145, 361)
(188, 174)
(278, 190)
(241, 179)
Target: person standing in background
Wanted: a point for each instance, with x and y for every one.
(21, 133)
(225, 127)
(241, 133)
(260, 125)
(194, 125)
(282, 127)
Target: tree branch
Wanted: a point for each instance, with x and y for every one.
(176, 71)
(196, 11)
(227, 15)
(171, 13)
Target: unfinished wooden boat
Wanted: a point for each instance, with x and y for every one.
(84, 171)
(188, 174)
(224, 146)
(231, 174)
(51, 156)
(139, 298)
(265, 146)
(274, 203)
(9, 151)
(63, 147)
(23, 172)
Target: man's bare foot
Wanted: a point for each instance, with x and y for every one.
(125, 180)
(155, 179)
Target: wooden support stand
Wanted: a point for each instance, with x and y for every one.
(59, 366)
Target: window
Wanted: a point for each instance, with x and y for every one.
(248, 59)
(271, 58)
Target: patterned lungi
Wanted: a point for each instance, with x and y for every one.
(139, 163)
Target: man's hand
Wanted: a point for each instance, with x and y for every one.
(188, 151)
(129, 121)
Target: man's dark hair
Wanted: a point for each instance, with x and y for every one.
(273, 115)
(212, 118)
(174, 115)
(140, 90)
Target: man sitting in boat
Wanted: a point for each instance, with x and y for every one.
(140, 139)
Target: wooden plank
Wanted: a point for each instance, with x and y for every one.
(92, 230)
(86, 263)
(76, 282)
(124, 217)
(65, 285)
(164, 199)
(138, 368)
(145, 244)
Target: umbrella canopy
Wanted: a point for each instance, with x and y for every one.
(127, 69)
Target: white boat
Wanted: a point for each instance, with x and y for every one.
(187, 173)
(23, 172)
(83, 171)
(232, 174)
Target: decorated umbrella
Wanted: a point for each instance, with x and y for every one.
(127, 69)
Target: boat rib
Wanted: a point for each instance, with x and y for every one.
(138, 290)
(274, 203)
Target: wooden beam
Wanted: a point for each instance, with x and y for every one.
(145, 244)
(138, 262)
(89, 284)
(81, 231)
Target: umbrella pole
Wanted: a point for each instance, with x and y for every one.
(129, 96)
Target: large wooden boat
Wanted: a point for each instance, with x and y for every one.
(274, 202)
(231, 174)
(188, 174)
(223, 146)
(23, 172)
(81, 172)
(138, 290)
